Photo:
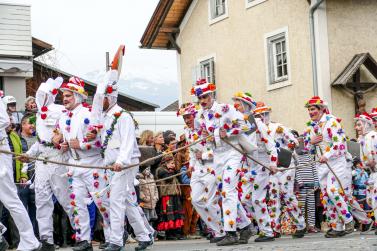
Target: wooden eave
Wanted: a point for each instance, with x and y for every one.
(40, 47)
(163, 26)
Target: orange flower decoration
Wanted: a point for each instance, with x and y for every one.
(212, 87)
(227, 212)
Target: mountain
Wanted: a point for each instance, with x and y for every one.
(161, 88)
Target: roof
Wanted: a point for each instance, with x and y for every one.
(164, 25)
(173, 107)
(40, 47)
(353, 66)
(122, 95)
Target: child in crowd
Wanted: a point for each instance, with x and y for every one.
(148, 194)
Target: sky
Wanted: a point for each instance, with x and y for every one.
(81, 31)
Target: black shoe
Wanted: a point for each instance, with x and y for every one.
(245, 235)
(39, 248)
(367, 227)
(3, 244)
(143, 245)
(113, 247)
(299, 233)
(103, 245)
(83, 246)
(171, 238)
(335, 234)
(216, 239)
(228, 240)
(47, 246)
(264, 238)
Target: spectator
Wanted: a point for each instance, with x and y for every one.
(11, 104)
(146, 138)
(171, 212)
(159, 145)
(360, 179)
(169, 135)
(148, 194)
(26, 194)
(171, 143)
(30, 105)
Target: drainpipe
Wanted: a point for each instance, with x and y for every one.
(312, 9)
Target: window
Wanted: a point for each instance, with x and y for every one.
(251, 3)
(218, 10)
(1, 84)
(277, 58)
(207, 70)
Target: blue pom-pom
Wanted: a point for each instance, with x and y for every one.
(68, 122)
(109, 132)
(86, 121)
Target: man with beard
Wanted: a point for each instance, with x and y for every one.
(225, 123)
(49, 178)
(72, 128)
(9, 196)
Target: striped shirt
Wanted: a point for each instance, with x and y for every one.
(306, 176)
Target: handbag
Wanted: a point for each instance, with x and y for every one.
(284, 157)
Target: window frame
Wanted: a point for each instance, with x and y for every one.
(271, 39)
(211, 18)
(252, 3)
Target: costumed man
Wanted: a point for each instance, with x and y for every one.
(9, 196)
(71, 132)
(368, 149)
(282, 183)
(203, 182)
(255, 182)
(326, 139)
(49, 178)
(373, 115)
(119, 149)
(225, 123)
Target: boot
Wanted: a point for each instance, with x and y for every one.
(47, 246)
(216, 239)
(3, 244)
(335, 234)
(143, 245)
(245, 235)
(299, 233)
(229, 239)
(104, 245)
(264, 238)
(350, 227)
(83, 246)
(113, 247)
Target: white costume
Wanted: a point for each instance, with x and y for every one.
(83, 182)
(8, 194)
(281, 183)
(119, 146)
(204, 193)
(334, 149)
(229, 160)
(49, 178)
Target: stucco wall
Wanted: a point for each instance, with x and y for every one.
(16, 87)
(238, 43)
(351, 30)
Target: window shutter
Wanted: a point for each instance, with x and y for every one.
(212, 71)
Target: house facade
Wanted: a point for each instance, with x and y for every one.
(16, 56)
(265, 47)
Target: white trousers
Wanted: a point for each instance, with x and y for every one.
(334, 199)
(50, 180)
(205, 197)
(10, 199)
(281, 189)
(84, 183)
(255, 184)
(123, 202)
(234, 215)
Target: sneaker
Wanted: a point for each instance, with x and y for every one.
(264, 238)
(299, 233)
(104, 245)
(143, 245)
(47, 246)
(3, 244)
(245, 235)
(335, 234)
(350, 227)
(228, 240)
(113, 247)
(83, 246)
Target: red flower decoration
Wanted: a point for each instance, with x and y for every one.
(44, 109)
(117, 114)
(43, 116)
(109, 89)
(54, 91)
(273, 158)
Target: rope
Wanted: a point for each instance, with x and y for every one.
(105, 167)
